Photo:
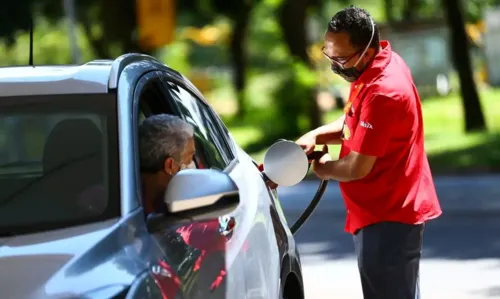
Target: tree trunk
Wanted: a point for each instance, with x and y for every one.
(293, 24)
(239, 57)
(410, 11)
(119, 27)
(473, 114)
(389, 11)
(97, 43)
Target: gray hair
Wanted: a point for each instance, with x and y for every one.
(162, 136)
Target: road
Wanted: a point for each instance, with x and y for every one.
(461, 256)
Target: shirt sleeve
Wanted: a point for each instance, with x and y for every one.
(379, 117)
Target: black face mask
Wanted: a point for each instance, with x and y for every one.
(350, 74)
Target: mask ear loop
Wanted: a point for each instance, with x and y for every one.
(369, 43)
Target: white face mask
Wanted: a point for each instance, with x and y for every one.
(191, 165)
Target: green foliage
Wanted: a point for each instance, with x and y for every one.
(293, 100)
(51, 45)
(474, 9)
(176, 56)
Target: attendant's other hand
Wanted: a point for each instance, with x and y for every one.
(321, 167)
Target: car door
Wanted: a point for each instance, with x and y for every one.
(252, 248)
(229, 277)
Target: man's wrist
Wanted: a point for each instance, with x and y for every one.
(330, 166)
(313, 135)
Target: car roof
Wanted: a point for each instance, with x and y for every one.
(95, 77)
(91, 77)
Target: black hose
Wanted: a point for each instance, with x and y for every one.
(310, 208)
(315, 155)
(314, 202)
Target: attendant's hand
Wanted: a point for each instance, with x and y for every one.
(307, 142)
(320, 167)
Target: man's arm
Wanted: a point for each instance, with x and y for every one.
(354, 166)
(330, 133)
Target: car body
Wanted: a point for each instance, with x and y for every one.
(67, 128)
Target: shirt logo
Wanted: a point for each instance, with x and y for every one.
(346, 133)
(367, 125)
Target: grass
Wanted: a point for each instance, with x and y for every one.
(449, 148)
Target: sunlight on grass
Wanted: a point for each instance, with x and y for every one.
(444, 125)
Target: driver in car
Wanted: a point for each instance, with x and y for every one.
(166, 146)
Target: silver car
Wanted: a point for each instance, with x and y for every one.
(71, 220)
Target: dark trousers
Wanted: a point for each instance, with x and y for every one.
(388, 260)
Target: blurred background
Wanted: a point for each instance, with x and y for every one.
(259, 63)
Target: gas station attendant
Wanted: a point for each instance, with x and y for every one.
(383, 171)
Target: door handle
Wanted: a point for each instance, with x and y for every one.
(226, 225)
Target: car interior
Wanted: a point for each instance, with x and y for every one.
(66, 183)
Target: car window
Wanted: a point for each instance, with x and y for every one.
(212, 149)
(58, 161)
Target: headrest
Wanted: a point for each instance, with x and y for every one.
(72, 140)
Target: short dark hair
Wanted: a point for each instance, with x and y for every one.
(357, 23)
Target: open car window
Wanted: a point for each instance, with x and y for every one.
(58, 162)
(212, 150)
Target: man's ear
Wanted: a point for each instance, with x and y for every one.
(369, 55)
(168, 166)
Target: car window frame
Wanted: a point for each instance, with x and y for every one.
(165, 107)
(221, 135)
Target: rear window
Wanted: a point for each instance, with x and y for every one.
(58, 162)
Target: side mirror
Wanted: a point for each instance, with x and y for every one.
(197, 194)
(286, 163)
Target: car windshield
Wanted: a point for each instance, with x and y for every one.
(58, 162)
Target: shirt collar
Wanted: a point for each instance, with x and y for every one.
(378, 63)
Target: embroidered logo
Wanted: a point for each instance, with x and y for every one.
(367, 125)
(346, 133)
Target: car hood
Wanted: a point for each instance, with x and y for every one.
(44, 265)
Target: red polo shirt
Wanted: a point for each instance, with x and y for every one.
(385, 120)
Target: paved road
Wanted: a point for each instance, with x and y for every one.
(461, 249)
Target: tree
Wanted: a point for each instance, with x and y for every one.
(293, 18)
(104, 30)
(410, 10)
(15, 16)
(473, 114)
(239, 13)
(389, 11)
(110, 34)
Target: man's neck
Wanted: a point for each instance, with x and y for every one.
(152, 192)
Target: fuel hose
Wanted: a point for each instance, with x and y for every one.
(314, 201)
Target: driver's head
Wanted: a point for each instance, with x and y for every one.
(351, 42)
(166, 146)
